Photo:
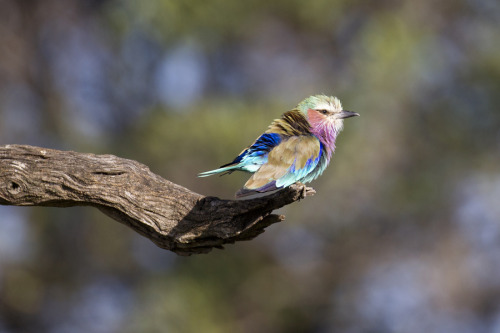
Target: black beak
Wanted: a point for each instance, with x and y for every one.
(347, 114)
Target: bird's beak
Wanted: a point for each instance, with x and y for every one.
(347, 114)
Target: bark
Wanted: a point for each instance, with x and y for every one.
(172, 216)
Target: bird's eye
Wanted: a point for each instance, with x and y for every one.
(323, 111)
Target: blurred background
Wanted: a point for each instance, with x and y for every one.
(403, 234)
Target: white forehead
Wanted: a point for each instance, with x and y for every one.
(330, 104)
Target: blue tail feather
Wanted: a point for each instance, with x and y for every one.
(222, 171)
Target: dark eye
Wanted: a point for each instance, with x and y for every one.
(323, 111)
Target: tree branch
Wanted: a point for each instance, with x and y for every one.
(172, 216)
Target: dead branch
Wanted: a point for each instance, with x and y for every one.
(172, 216)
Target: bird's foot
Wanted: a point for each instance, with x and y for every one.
(305, 191)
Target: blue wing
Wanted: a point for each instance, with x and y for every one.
(252, 157)
(258, 151)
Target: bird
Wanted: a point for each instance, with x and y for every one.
(295, 148)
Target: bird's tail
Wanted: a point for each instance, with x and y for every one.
(221, 171)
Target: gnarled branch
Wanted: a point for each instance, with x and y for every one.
(172, 216)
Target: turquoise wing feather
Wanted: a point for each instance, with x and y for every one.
(294, 159)
(251, 158)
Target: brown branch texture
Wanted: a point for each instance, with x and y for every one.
(172, 216)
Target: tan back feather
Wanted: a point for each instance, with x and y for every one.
(291, 123)
(294, 151)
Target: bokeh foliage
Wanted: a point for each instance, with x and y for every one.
(403, 235)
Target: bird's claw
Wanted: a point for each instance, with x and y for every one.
(305, 191)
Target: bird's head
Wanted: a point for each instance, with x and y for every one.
(324, 110)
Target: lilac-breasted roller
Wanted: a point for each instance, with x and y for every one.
(295, 148)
